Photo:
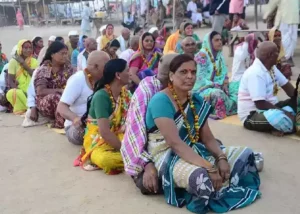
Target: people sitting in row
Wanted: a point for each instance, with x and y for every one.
(258, 106)
(50, 81)
(79, 88)
(105, 120)
(20, 70)
(133, 47)
(212, 78)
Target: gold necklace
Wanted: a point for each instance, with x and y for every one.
(275, 86)
(194, 139)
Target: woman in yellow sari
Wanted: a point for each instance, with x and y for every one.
(105, 119)
(20, 69)
(109, 36)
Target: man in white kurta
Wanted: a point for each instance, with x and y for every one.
(287, 21)
(196, 16)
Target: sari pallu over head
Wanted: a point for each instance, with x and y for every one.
(211, 68)
(151, 62)
(270, 37)
(182, 36)
(22, 76)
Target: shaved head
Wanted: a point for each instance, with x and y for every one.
(90, 44)
(96, 62)
(267, 52)
(188, 40)
(189, 45)
(125, 33)
(164, 67)
(134, 42)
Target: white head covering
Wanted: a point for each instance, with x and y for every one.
(73, 33)
(153, 29)
(14, 50)
(52, 38)
(102, 29)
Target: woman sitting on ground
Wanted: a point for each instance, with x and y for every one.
(111, 48)
(20, 70)
(243, 57)
(38, 45)
(109, 36)
(274, 35)
(50, 81)
(145, 61)
(162, 38)
(105, 119)
(196, 170)
(212, 78)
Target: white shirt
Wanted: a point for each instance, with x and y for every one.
(241, 61)
(192, 6)
(81, 61)
(123, 43)
(256, 84)
(31, 92)
(76, 94)
(126, 55)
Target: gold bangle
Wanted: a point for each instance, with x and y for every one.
(212, 170)
(221, 157)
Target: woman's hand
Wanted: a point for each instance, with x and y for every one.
(216, 180)
(150, 178)
(224, 169)
(34, 115)
(19, 59)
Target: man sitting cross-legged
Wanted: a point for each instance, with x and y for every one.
(73, 102)
(258, 106)
(137, 161)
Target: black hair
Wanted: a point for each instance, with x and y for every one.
(84, 37)
(179, 60)
(115, 43)
(53, 49)
(147, 34)
(136, 30)
(212, 34)
(112, 67)
(35, 41)
(59, 39)
(109, 25)
(187, 24)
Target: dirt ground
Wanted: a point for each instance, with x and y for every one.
(37, 174)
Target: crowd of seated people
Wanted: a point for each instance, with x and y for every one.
(141, 103)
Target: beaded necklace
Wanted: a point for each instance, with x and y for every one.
(55, 74)
(194, 139)
(218, 72)
(151, 61)
(275, 86)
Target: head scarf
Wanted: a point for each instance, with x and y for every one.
(113, 43)
(271, 36)
(183, 25)
(207, 46)
(20, 46)
(80, 43)
(102, 29)
(141, 50)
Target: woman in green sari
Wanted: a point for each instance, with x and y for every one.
(212, 78)
(186, 29)
(195, 170)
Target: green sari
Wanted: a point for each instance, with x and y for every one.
(190, 185)
(211, 79)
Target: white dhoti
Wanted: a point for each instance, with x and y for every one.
(196, 17)
(289, 38)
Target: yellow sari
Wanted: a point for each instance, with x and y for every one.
(171, 42)
(18, 96)
(98, 154)
(271, 36)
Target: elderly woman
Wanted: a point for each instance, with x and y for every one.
(274, 35)
(173, 44)
(111, 48)
(243, 56)
(196, 170)
(105, 119)
(50, 81)
(108, 36)
(212, 78)
(145, 61)
(20, 70)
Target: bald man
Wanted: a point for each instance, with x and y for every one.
(140, 166)
(124, 39)
(189, 46)
(79, 87)
(258, 106)
(90, 45)
(134, 45)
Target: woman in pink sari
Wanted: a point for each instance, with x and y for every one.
(20, 19)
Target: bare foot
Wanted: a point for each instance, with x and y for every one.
(277, 133)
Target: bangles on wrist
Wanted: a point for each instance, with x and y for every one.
(221, 157)
(213, 169)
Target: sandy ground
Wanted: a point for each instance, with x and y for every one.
(37, 175)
